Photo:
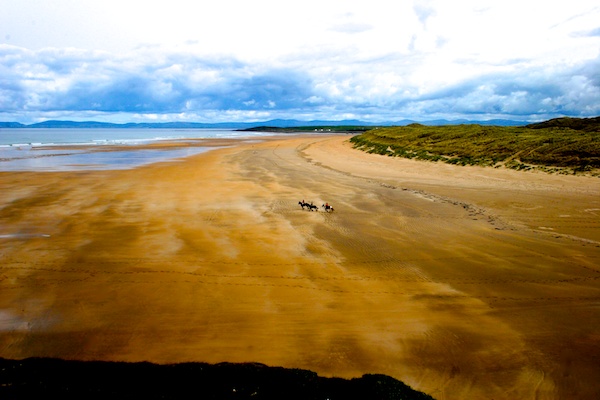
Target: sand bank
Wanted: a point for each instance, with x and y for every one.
(463, 282)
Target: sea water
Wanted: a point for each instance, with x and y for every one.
(57, 136)
(25, 149)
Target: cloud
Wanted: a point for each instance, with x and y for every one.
(181, 85)
(146, 84)
(590, 33)
(416, 59)
(352, 27)
(424, 10)
(533, 93)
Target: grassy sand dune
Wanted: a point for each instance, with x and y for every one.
(559, 146)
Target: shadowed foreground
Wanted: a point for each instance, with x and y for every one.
(37, 378)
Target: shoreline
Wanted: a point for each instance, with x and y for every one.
(102, 156)
(462, 282)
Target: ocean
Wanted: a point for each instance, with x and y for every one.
(56, 149)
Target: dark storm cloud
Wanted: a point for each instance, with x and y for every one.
(168, 85)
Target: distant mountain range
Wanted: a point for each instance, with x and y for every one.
(276, 123)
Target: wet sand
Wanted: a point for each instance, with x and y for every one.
(463, 282)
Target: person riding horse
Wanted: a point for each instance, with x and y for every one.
(310, 206)
(327, 207)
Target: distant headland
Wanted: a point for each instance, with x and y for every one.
(274, 123)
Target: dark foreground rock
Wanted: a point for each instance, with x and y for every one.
(43, 377)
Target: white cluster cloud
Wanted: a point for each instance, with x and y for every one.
(239, 60)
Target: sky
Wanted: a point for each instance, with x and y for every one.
(245, 61)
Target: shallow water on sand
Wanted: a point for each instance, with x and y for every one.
(33, 159)
(62, 149)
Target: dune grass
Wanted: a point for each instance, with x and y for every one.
(555, 149)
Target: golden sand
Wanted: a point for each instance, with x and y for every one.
(463, 282)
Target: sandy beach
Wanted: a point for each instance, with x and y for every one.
(463, 282)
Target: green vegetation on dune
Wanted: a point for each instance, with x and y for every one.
(580, 124)
(552, 146)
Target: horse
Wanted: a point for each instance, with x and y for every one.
(327, 208)
(311, 207)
